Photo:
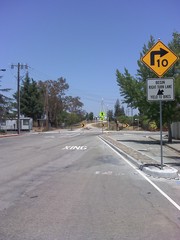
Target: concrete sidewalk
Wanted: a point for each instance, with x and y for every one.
(143, 149)
(175, 145)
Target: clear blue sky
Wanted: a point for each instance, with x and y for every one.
(84, 41)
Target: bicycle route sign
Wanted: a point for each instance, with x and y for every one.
(160, 89)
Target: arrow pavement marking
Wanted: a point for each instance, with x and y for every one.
(162, 52)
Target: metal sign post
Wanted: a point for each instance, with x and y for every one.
(102, 126)
(161, 141)
(102, 116)
(160, 89)
(160, 59)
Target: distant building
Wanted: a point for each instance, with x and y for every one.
(26, 124)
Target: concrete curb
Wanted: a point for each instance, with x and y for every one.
(127, 156)
(153, 170)
(8, 135)
(157, 172)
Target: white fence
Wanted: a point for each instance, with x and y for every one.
(175, 127)
(11, 124)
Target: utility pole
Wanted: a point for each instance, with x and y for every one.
(3, 70)
(47, 108)
(19, 66)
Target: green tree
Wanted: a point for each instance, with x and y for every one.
(5, 104)
(73, 106)
(118, 110)
(57, 103)
(133, 89)
(110, 115)
(30, 99)
(53, 97)
(90, 116)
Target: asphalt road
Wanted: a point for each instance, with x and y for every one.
(71, 185)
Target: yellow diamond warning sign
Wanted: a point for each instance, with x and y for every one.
(159, 58)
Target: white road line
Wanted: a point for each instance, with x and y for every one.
(145, 177)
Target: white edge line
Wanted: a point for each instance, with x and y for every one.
(145, 177)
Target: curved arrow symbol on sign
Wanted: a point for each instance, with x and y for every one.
(162, 52)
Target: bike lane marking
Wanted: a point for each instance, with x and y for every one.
(145, 177)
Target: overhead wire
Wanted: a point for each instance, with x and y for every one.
(74, 91)
(84, 94)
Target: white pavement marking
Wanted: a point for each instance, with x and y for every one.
(49, 137)
(107, 173)
(74, 148)
(145, 177)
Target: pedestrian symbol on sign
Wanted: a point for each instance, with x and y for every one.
(102, 115)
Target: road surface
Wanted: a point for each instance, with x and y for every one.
(71, 185)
